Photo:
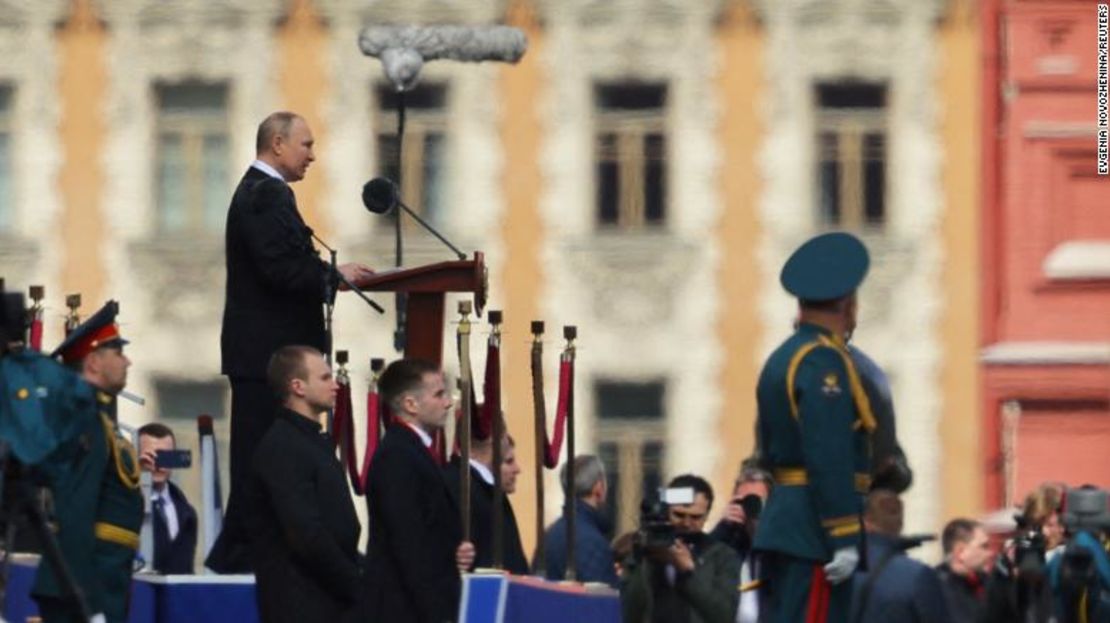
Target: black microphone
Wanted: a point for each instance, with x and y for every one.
(380, 196)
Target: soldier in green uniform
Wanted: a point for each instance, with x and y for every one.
(95, 480)
(815, 426)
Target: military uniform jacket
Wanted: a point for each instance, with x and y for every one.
(303, 526)
(275, 279)
(814, 425)
(99, 507)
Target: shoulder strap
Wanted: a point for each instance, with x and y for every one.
(792, 373)
(859, 396)
(869, 585)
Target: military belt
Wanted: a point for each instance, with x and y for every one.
(797, 476)
(115, 534)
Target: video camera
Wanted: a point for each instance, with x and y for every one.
(1029, 549)
(656, 530)
(1084, 592)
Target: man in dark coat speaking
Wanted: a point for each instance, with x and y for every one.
(275, 292)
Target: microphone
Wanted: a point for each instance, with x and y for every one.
(380, 196)
(403, 50)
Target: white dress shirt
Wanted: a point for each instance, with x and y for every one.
(420, 432)
(483, 471)
(267, 169)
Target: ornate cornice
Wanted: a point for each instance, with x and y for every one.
(213, 14)
(366, 12)
(17, 15)
(818, 13)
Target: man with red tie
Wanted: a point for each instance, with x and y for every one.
(416, 551)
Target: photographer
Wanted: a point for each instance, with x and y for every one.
(737, 528)
(1017, 589)
(173, 519)
(1080, 576)
(677, 572)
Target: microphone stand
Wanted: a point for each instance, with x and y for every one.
(425, 225)
(331, 287)
(386, 197)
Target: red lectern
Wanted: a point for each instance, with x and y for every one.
(427, 287)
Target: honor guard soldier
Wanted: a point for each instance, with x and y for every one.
(98, 503)
(815, 425)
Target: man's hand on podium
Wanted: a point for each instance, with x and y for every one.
(355, 273)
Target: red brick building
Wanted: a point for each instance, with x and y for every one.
(1046, 251)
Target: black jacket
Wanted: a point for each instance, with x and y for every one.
(481, 521)
(178, 557)
(414, 531)
(275, 279)
(303, 527)
(966, 597)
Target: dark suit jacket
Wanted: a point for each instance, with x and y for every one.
(967, 598)
(414, 531)
(905, 589)
(179, 556)
(275, 279)
(303, 527)
(481, 521)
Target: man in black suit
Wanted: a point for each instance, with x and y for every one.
(303, 527)
(481, 502)
(276, 284)
(415, 551)
(173, 519)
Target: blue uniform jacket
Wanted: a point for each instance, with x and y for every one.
(815, 428)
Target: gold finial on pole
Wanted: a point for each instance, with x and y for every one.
(463, 435)
(73, 319)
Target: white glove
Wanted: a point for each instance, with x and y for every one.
(843, 563)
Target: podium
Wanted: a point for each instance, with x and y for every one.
(427, 287)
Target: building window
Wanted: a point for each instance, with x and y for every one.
(630, 155)
(193, 158)
(851, 142)
(422, 170)
(630, 444)
(7, 195)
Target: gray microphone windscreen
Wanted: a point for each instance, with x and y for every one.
(404, 49)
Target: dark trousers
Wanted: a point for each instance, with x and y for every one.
(55, 610)
(795, 591)
(253, 406)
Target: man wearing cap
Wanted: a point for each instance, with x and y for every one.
(98, 503)
(814, 425)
